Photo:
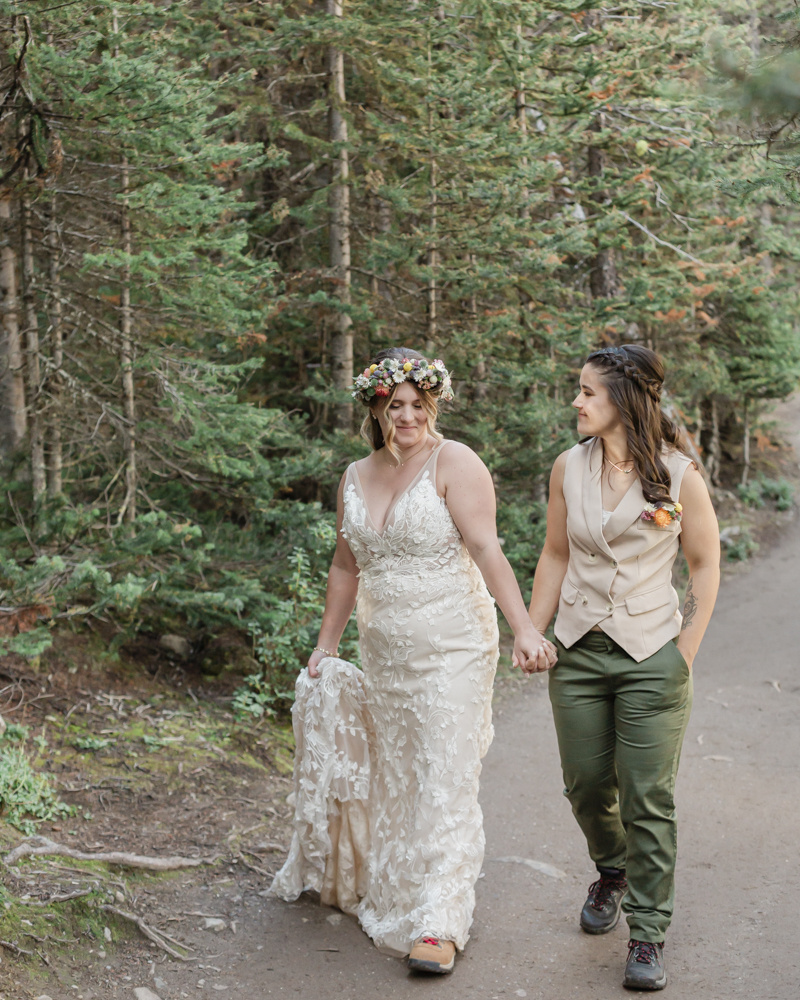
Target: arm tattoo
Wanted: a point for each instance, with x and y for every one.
(689, 608)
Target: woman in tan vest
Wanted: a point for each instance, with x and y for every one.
(621, 502)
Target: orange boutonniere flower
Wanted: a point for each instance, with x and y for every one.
(663, 514)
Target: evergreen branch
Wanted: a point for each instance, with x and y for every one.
(387, 281)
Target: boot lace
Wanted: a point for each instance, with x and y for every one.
(644, 952)
(604, 888)
(431, 940)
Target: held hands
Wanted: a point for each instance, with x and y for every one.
(532, 652)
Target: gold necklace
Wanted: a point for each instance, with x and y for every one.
(409, 457)
(625, 472)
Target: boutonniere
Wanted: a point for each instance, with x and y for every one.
(663, 513)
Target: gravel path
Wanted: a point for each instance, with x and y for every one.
(738, 884)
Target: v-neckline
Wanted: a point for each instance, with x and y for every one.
(624, 514)
(389, 519)
(619, 502)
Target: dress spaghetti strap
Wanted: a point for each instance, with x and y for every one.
(435, 459)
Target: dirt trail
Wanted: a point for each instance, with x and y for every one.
(738, 794)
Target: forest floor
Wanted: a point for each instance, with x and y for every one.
(159, 766)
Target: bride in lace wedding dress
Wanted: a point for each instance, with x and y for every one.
(387, 822)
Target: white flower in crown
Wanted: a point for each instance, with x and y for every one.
(380, 378)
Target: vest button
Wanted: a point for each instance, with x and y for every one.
(584, 600)
(614, 563)
(592, 555)
(609, 607)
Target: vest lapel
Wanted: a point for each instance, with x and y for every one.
(628, 510)
(593, 495)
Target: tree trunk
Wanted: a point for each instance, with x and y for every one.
(54, 382)
(339, 230)
(433, 260)
(522, 121)
(128, 509)
(480, 387)
(713, 449)
(746, 443)
(381, 211)
(13, 419)
(433, 255)
(35, 429)
(603, 278)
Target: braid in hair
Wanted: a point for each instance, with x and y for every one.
(634, 377)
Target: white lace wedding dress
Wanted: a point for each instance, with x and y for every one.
(387, 822)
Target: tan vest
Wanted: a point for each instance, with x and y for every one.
(619, 577)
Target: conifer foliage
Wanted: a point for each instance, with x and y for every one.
(212, 212)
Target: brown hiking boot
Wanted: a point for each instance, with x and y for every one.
(429, 954)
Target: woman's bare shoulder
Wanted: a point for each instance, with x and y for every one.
(693, 486)
(559, 470)
(365, 464)
(458, 457)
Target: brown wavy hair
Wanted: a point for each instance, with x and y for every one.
(371, 429)
(634, 376)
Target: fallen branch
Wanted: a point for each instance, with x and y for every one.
(56, 899)
(267, 848)
(254, 868)
(49, 937)
(153, 933)
(42, 845)
(16, 948)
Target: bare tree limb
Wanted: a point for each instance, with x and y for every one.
(663, 243)
(32, 846)
(153, 933)
(56, 899)
(15, 948)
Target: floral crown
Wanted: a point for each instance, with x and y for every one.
(380, 379)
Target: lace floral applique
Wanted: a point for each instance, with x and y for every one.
(428, 637)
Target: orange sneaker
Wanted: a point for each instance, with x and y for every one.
(429, 954)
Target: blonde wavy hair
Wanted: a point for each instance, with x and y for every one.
(372, 429)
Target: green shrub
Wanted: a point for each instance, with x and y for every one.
(27, 644)
(285, 645)
(742, 548)
(780, 491)
(761, 489)
(91, 743)
(27, 796)
(16, 732)
(752, 494)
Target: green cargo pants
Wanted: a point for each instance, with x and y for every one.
(620, 726)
